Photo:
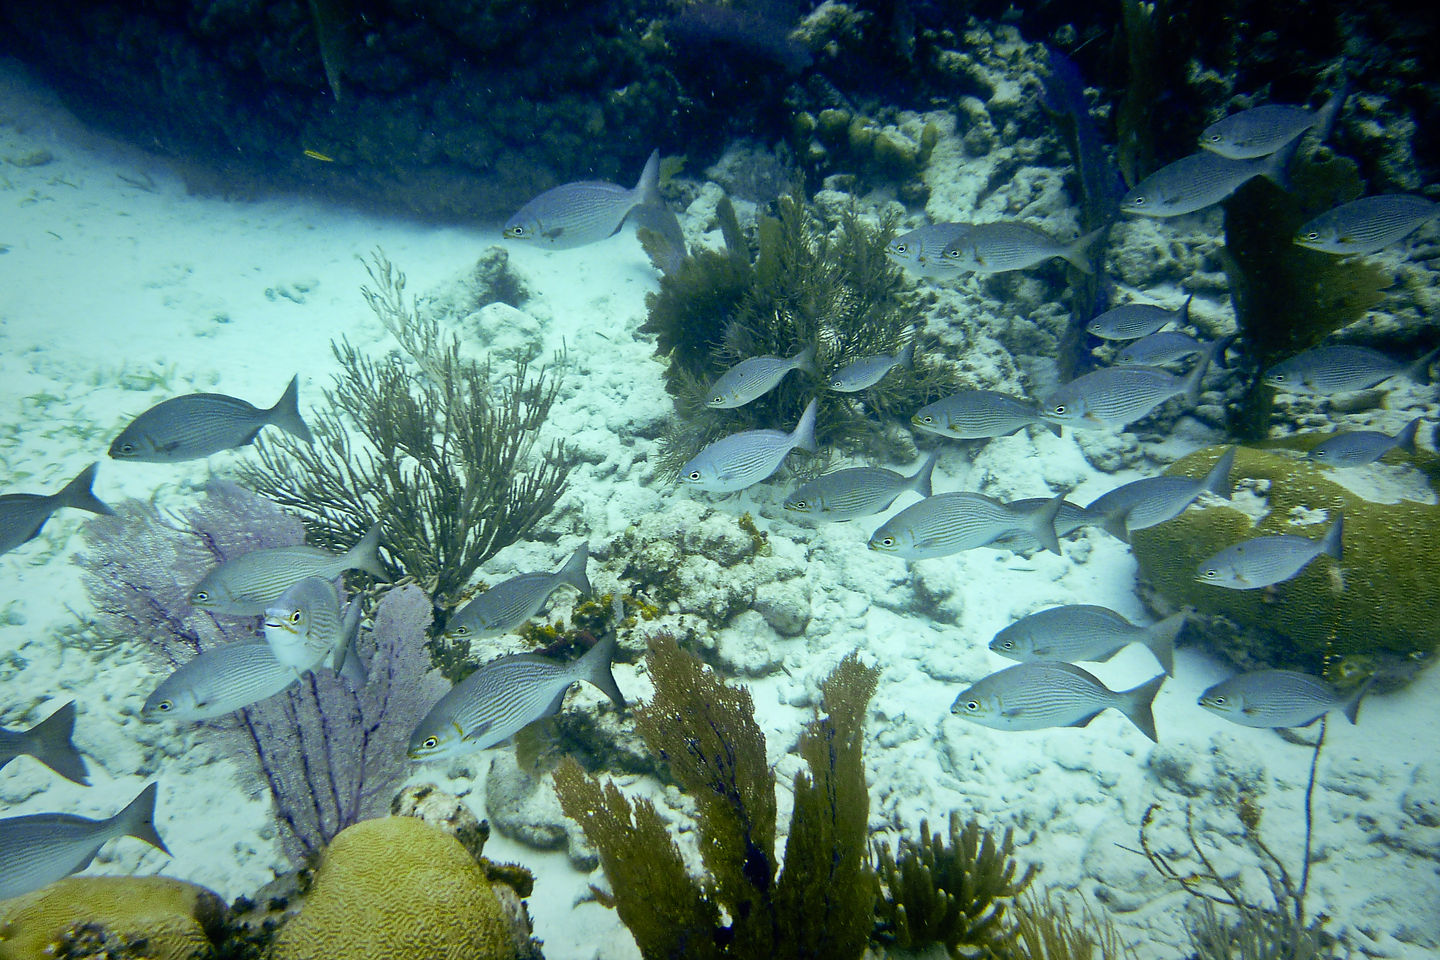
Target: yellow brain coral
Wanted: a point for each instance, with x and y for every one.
(399, 889)
(171, 915)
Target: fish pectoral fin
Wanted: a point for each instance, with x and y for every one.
(477, 731)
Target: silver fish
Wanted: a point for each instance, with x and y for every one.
(754, 377)
(951, 522)
(1071, 517)
(858, 491)
(245, 586)
(574, 214)
(1263, 561)
(1083, 632)
(22, 515)
(1118, 396)
(1359, 447)
(1051, 693)
(199, 424)
(921, 251)
(508, 604)
(1158, 349)
(305, 626)
(506, 695)
(742, 459)
(1280, 698)
(1342, 368)
(1130, 321)
(49, 742)
(1367, 225)
(1150, 501)
(1260, 131)
(868, 371)
(978, 414)
(1015, 245)
(1198, 181)
(218, 681)
(41, 848)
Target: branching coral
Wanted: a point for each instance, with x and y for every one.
(955, 894)
(445, 460)
(799, 285)
(705, 730)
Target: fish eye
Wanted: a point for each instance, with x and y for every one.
(1059, 408)
(295, 617)
(902, 247)
(972, 705)
(1210, 574)
(1007, 644)
(461, 631)
(717, 399)
(165, 706)
(927, 419)
(1318, 454)
(693, 474)
(799, 505)
(430, 743)
(1137, 202)
(1312, 235)
(888, 542)
(1217, 701)
(1215, 138)
(201, 596)
(1277, 377)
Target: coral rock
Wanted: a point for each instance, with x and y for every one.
(399, 889)
(170, 916)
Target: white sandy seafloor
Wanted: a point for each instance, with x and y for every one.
(117, 289)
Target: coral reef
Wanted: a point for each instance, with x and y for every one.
(1378, 601)
(705, 730)
(802, 283)
(155, 917)
(445, 455)
(399, 889)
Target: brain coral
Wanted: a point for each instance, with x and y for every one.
(1379, 601)
(399, 889)
(171, 916)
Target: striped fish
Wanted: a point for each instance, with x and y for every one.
(306, 627)
(41, 848)
(245, 586)
(507, 605)
(1260, 131)
(199, 424)
(1051, 693)
(574, 214)
(1118, 396)
(218, 681)
(742, 459)
(1359, 447)
(1130, 321)
(858, 491)
(755, 377)
(23, 515)
(1342, 368)
(921, 251)
(979, 414)
(49, 741)
(1015, 245)
(951, 522)
(1367, 225)
(1150, 501)
(1071, 517)
(1263, 561)
(1280, 698)
(1200, 180)
(1081, 631)
(868, 371)
(1158, 349)
(506, 695)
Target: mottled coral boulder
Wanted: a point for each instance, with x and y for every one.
(1379, 602)
(399, 889)
(156, 917)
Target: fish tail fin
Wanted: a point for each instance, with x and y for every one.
(1217, 481)
(286, 412)
(77, 493)
(49, 742)
(1272, 168)
(1352, 706)
(804, 435)
(647, 188)
(1042, 523)
(594, 666)
(1331, 543)
(573, 572)
(1330, 112)
(1419, 371)
(805, 359)
(1405, 439)
(1195, 379)
(1078, 253)
(1160, 638)
(365, 555)
(346, 659)
(920, 482)
(138, 819)
(906, 356)
(1136, 704)
(1185, 310)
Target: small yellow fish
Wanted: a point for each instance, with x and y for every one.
(317, 155)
